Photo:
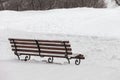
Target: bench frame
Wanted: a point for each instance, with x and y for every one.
(78, 57)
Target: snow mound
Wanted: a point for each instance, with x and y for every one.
(78, 21)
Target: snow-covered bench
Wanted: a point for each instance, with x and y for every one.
(44, 48)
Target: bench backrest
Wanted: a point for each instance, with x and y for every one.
(40, 47)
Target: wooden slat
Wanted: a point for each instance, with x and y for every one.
(42, 55)
(28, 54)
(25, 50)
(42, 51)
(54, 41)
(49, 48)
(20, 46)
(21, 39)
(44, 44)
(27, 43)
(47, 44)
(53, 48)
(54, 52)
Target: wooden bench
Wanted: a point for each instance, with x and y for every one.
(44, 48)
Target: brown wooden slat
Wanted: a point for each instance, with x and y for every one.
(54, 41)
(42, 51)
(44, 44)
(52, 48)
(42, 55)
(54, 52)
(25, 50)
(34, 47)
(23, 43)
(20, 46)
(47, 44)
(21, 39)
(28, 54)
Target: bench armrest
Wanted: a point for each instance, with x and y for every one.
(79, 56)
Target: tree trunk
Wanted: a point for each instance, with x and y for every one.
(117, 2)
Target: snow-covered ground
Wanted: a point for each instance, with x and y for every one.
(78, 21)
(92, 32)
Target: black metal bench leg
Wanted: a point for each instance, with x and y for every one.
(77, 61)
(68, 60)
(27, 58)
(18, 57)
(50, 59)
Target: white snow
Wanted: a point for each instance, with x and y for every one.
(66, 21)
(92, 32)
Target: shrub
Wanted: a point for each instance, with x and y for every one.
(48, 4)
